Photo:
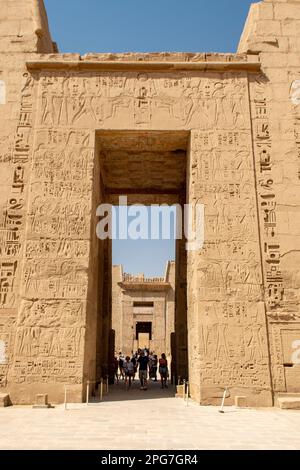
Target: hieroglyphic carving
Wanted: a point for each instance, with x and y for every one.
(7, 278)
(49, 338)
(55, 279)
(145, 92)
(295, 99)
(47, 369)
(234, 346)
(274, 282)
(226, 274)
(53, 313)
(218, 279)
(52, 249)
(49, 341)
(262, 138)
(51, 321)
(59, 219)
(222, 164)
(7, 330)
(12, 214)
(278, 375)
(44, 342)
(76, 99)
(23, 133)
(63, 162)
(10, 228)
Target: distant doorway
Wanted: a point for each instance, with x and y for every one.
(143, 334)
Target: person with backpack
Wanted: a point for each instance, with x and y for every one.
(163, 370)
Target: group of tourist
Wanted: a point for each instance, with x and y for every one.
(146, 363)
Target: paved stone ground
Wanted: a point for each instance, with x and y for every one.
(149, 420)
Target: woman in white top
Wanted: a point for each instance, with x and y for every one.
(129, 372)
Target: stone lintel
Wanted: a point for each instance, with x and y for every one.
(107, 66)
(149, 286)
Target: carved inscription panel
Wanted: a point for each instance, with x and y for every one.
(16, 161)
(227, 331)
(227, 286)
(279, 263)
(51, 325)
(49, 341)
(143, 100)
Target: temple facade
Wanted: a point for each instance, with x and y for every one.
(143, 311)
(221, 130)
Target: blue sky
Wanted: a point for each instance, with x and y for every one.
(145, 26)
(148, 256)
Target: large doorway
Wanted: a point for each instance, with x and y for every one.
(147, 168)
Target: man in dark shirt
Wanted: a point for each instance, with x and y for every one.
(143, 370)
(134, 362)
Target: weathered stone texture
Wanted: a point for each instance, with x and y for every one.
(221, 129)
(23, 31)
(4, 400)
(275, 107)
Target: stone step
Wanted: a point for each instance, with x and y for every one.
(289, 402)
(4, 400)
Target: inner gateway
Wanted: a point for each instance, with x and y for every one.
(149, 167)
(144, 328)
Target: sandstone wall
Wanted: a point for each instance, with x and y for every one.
(237, 299)
(273, 32)
(23, 32)
(227, 340)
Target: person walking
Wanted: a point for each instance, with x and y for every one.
(150, 365)
(163, 370)
(154, 367)
(129, 371)
(143, 369)
(134, 362)
(121, 365)
(116, 364)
